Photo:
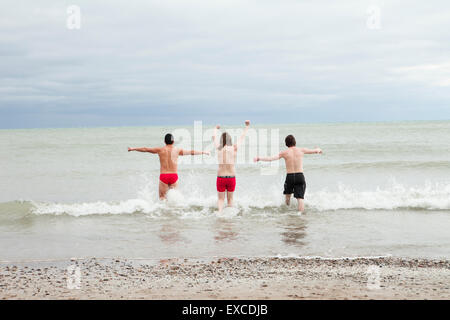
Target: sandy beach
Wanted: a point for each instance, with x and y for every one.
(233, 278)
(224, 150)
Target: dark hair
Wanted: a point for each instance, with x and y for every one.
(225, 140)
(168, 139)
(290, 141)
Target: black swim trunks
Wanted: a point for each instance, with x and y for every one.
(295, 183)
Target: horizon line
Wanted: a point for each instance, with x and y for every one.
(229, 124)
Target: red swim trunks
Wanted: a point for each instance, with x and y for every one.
(168, 178)
(226, 183)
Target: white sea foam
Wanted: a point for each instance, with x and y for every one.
(228, 212)
(99, 207)
(397, 196)
(195, 204)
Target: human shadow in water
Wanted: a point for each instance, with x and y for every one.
(170, 234)
(294, 231)
(225, 230)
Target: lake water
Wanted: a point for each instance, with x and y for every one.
(378, 189)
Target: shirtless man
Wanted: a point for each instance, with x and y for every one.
(295, 181)
(168, 159)
(226, 174)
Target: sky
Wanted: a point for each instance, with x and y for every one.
(167, 62)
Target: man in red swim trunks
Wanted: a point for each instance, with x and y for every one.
(226, 174)
(168, 159)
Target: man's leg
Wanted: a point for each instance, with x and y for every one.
(221, 200)
(173, 186)
(288, 199)
(163, 188)
(301, 205)
(230, 198)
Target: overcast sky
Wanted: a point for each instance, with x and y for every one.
(172, 62)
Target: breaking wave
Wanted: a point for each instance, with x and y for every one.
(395, 197)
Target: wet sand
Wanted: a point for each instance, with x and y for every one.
(232, 278)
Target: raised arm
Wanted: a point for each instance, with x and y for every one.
(151, 150)
(242, 137)
(216, 142)
(273, 158)
(191, 152)
(311, 151)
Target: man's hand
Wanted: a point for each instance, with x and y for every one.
(319, 150)
(247, 122)
(256, 159)
(130, 149)
(218, 126)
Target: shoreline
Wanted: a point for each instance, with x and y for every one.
(212, 124)
(228, 278)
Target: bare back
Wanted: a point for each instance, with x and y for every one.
(168, 159)
(293, 158)
(227, 158)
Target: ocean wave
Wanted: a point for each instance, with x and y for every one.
(381, 165)
(197, 205)
(397, 196)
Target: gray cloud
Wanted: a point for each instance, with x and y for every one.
(164, 62)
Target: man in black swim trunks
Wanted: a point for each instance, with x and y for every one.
(295, 181)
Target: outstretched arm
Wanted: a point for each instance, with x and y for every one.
(273, 158)
(151, 150)
(216, 143)
(242, 137)
(191, 152)
(311, 151)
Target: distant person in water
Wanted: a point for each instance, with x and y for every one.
(226, 174)
(295, 181)
(168, 159)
